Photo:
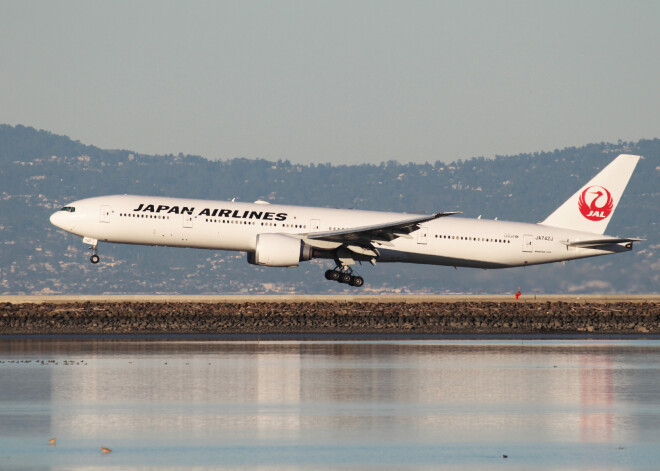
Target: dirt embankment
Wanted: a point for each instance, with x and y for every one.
(331, 318)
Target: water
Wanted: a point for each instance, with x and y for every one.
(202, 404)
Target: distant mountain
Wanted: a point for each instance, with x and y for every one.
(40, 172)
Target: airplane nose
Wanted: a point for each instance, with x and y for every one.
(56, 219)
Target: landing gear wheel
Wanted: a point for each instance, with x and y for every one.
(344, 274)
(345, 278)
(94, 259)
(356, 281)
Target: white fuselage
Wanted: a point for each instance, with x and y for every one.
(223, 225)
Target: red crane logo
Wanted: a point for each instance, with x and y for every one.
(596, 203)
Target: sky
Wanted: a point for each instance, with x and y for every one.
(333, 81)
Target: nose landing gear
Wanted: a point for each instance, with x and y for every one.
(344, 275)
(93, 246)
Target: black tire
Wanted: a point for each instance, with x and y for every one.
(328, 274)
(335, 275)
(94, 259)
(345, 278)
(357, 281)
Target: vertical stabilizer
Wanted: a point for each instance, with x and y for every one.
(591, 208)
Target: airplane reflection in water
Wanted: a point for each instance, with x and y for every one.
(395, 391)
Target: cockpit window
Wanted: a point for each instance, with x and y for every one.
(69, 209)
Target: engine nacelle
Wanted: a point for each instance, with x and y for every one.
(279, 250)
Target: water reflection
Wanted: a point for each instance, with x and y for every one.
(298, 404)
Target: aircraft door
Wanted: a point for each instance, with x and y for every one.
(422, 235)
(315, 225)
(105, 213)
(528, 243)
(188, 220)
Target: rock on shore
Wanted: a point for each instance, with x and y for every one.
(330, 318)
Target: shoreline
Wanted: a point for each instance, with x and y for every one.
(330, 337)
(327, 318)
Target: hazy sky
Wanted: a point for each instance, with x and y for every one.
(333, 81)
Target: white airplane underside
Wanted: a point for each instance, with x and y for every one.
(283, 235)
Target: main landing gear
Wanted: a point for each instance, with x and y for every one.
(344, 275)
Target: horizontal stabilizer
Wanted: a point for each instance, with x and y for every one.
(598, 242)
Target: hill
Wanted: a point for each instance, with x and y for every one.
(41, 172)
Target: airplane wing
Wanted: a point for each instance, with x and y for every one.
(382, 233)
(360, 240)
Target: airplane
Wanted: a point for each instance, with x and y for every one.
(275, 235)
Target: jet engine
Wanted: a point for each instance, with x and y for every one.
(278, 250)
